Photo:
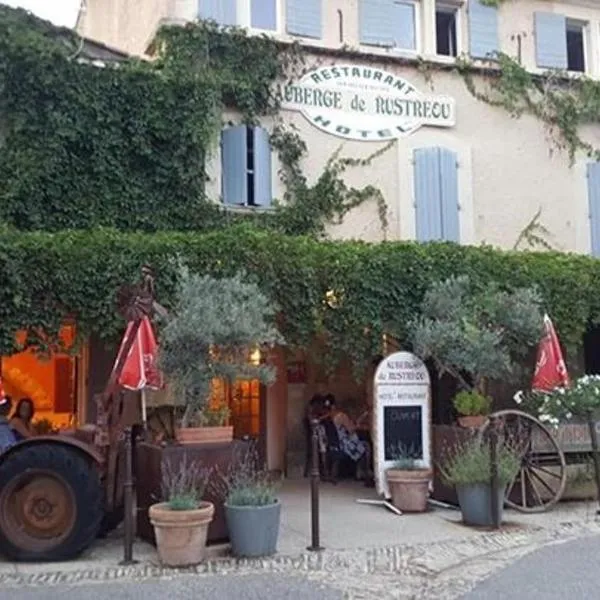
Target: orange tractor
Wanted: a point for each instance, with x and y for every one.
(59, 492)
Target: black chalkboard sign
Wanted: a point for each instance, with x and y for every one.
(403, 431)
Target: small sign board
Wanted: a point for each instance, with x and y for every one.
(402, 406)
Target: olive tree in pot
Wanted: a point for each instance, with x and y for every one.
(210, 335)
(477, 335)
(467, 466)
(252, 508)
(181, 520)
(408, 482)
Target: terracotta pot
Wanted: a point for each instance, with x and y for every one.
(204, 435)
(181, 534)
(409, 489)
(472, 422)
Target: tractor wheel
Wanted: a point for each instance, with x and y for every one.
(51, 503)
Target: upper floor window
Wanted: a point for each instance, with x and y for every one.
(559, 42)
(446, 18)
(257, 14)
(388, 23)
(304, 18)
(246, 166)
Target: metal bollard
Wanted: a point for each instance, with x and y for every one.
(494, 483)
(594, 439)
(128, 501)
(315, 545)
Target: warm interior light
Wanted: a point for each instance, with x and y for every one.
(255, 356)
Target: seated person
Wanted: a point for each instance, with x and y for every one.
(7, 436)
(20, 422)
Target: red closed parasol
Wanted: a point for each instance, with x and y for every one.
(140, 370)
(550, 367)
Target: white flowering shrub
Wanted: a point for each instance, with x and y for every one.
(564, 403)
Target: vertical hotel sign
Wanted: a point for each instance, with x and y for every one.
(363, 103)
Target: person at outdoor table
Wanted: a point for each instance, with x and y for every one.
(20, 422)
(7, 436)
(350, 444)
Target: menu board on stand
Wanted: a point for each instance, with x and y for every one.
(402, 411)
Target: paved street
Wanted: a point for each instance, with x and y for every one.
(570, 570)
(235, 587)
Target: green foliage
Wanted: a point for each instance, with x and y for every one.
(472, 404)
(247, 482)
(214, 326)
(469, 463)
(476, 334)
(48, 278)
(405, 458)
(564, 104)
(214, 417)
(183, 484)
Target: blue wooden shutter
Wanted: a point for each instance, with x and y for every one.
(263, 192)
(234, 165)
(483, 29)
(223, 12)
(403, 20)
(376, 22)
(551, 40)
(304, 17)
(593, 176)
(449, 195)
(263, 14)
(427, 194)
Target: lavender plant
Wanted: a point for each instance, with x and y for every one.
(183, 484)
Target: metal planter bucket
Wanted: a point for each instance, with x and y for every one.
(253, 530)
(475, 502)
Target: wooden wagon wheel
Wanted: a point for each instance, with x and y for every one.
(542, 476)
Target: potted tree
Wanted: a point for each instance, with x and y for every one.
(181, 520)
(472, 408)
(467, 467)
(214, 328)
(408, 482)
(252, 508)
(476, 336)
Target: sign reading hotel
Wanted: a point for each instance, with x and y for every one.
(363, 103)
(402, 411)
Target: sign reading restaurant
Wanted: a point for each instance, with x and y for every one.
(363, 103)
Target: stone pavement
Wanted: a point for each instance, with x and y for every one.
(371, 554)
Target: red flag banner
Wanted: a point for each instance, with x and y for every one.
(550, 367)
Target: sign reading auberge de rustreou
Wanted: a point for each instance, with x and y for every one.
(364, 103)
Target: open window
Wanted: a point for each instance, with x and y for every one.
(576, 46)
(445, 30)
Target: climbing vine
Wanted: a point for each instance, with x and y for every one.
(564, 104)
(126, 145)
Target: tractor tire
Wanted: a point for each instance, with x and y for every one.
(51, 503)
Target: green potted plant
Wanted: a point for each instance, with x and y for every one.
(408, 482)
(252, 508)
(477, 334)
(182, 519)
(214, 329)
(467, 467)
(472, 408)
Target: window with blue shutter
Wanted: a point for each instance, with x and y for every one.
(436, 195)
(593, 177)
(304, 17)
(246, 170)
(483, 29)
(388, 23)
(263, 14)
(551, 40)
(224, 12)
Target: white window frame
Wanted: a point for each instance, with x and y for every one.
(244, 11)
(459, 16)
(585, 30)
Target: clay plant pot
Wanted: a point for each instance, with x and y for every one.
(409, 489)
(204, 435)
(472, 422)
(181, 534)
